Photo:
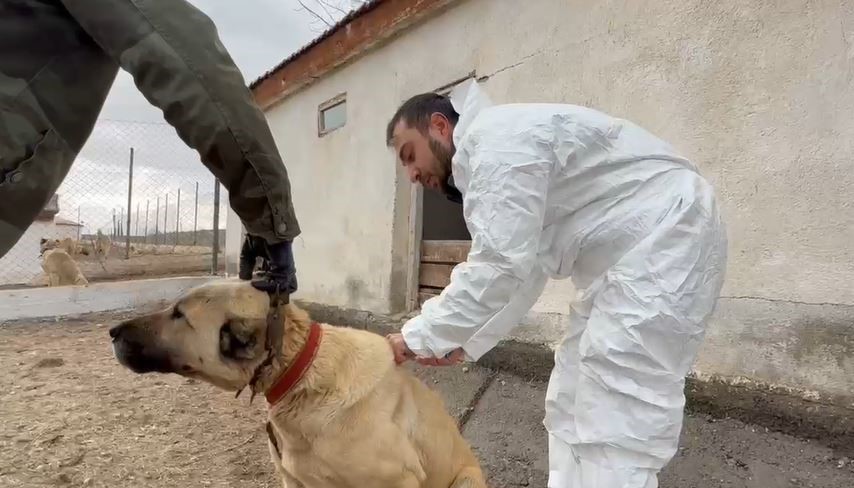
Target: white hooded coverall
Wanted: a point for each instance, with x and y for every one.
(564, 191)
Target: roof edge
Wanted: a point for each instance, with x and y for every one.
(360, 31)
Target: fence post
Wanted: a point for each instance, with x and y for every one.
(119, 226)
(157, 221)
(136, 227)
(215, 258)
(196, 217)
(145, 232)
(166, 220)
(178, 217)
(130, 202)
(113, 232)
(78, 223)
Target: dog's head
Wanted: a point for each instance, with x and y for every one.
(47, 244)
(215, 333)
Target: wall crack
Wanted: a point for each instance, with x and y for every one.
(514, 65)
(780, 300)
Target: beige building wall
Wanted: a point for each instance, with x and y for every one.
(759, 94)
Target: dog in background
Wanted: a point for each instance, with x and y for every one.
(67, 244)
(102, 247)
(61, 269)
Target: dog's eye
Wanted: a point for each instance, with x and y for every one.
(176, 314)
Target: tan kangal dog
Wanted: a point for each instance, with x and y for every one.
(101, 247)
(67, 244)
(61, 269)
(340, 412)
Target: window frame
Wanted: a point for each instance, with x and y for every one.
(340, 99)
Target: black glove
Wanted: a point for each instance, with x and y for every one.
(278, 272)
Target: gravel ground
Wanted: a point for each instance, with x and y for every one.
(507, 431)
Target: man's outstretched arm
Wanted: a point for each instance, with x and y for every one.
(500, 280)
(178, 62)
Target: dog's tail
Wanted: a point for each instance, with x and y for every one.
(469, 477)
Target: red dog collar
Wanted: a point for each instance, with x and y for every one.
(297, 369)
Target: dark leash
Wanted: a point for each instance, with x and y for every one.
(275, 332)
(273, 341)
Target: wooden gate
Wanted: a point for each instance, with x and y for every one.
(438, 259)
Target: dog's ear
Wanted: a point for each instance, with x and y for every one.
(239, 340)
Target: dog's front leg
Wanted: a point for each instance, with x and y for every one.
(288, 481)
(409, 481)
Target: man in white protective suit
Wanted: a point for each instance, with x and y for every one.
(562, 191)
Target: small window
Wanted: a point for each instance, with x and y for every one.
(332, 115)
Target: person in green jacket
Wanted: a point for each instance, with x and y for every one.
(58, 60)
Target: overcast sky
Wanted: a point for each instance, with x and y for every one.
(258, 34)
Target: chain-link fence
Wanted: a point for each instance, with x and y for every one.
(137, 203)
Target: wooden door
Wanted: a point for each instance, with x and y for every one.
(438, 258)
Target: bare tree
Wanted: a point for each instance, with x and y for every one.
(326, 13)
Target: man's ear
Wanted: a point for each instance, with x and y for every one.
(238, 339)
(440, 124)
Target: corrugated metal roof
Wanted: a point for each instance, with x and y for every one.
(61, 221)
(365, 8)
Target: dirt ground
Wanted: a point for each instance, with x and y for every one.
(70, 415)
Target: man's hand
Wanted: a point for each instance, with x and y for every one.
(402, 353)
(278, 273)
(450, 359)
(249, 252)
(400, 349)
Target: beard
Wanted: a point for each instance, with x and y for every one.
(443, 157)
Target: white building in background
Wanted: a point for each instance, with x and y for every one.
(771, 130)
(22, 264)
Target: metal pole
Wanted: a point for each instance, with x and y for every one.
(178, 218)
(157, 222)
(166, 220)
(130, 202)
(136, 227)
(215, 258)
(196, 216)
(145, 232)
(113, 232)
(120, 228)
(78, 223)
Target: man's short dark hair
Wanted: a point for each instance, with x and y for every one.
(417, 110)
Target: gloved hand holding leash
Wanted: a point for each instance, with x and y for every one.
(277, 274)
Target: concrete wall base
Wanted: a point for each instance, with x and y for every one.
(63, 301)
